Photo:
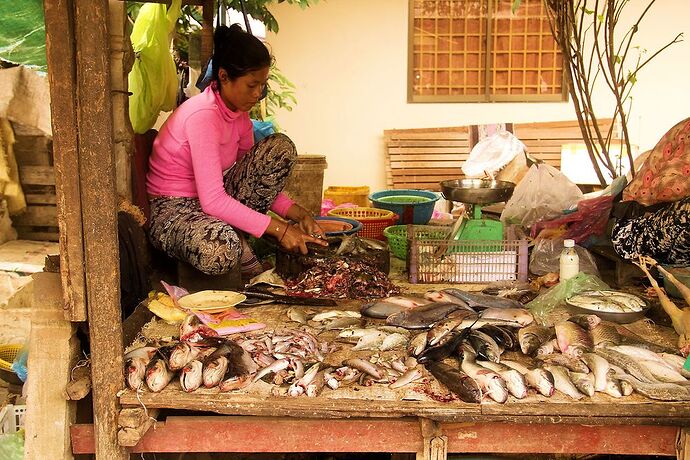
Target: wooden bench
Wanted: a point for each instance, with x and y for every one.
(420, 158)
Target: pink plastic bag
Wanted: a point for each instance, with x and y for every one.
(590, 219)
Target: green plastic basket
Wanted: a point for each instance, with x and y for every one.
(397, 237)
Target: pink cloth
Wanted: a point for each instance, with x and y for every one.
(199, 141)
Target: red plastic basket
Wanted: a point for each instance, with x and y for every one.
(373, 220)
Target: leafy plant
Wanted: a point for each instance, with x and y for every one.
(258, 9)
(281, 95)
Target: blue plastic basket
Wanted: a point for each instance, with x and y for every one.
(413, 206)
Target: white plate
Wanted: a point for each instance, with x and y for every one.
(210, 301)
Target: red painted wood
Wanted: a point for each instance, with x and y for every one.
(265, 434)
(561, 438)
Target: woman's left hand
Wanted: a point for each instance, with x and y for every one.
(310, 227)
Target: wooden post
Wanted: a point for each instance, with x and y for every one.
(61, 57)
(683, 444)
(207, 31)
(99, 219)
(434, 444)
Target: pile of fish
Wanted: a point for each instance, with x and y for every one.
(342, 279)
(608, 302)
(288, 356)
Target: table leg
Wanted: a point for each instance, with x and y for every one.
(434, 444)
(683, 444)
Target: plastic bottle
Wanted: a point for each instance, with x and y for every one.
(569, 261)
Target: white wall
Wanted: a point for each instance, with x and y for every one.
(348, 59)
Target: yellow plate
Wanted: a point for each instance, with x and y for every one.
(211, 301)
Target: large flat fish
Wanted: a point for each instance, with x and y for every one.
(476, 300)
(520, 316)
(422, 317)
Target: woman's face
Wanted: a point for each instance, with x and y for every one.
(243, 92)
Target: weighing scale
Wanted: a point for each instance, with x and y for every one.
(478, 193)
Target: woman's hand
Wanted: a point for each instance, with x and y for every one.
(291, 237)
(305, 221)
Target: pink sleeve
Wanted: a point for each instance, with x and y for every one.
(281, 204)
(203, 130)
(246, 136)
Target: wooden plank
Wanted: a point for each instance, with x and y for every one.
(442, 130)
(61, 56)
(39, 198)
(428, 143)
(37, 175)
(206, 31)
(555, 438)
(98, 196)
(425, 172)
(683, 444)
(268, 434)
(421, 164)
(29, 233)
(37, 216)
(440, 151)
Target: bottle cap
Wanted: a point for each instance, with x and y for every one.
(569, 243)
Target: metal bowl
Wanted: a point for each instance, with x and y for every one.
(477, 191)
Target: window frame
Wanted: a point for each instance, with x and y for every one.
(486, 96)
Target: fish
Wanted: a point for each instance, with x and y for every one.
(477, 300)
(277, 365)
(604, 335)
(422, 317)
(320, 317)
(440, 330)
(135, 371)
(214, 370)
(538, 378)
(461, 384)
(365, 366)
(587, 322)
(408, 377)
(490, 382)
(142, 352)
(444, 297)
(572, 339)
(236, 382)
(630, 365)
(658, 391)
(417, 344)
(583, 382)
(406, 302)
(485, 347)
(354, 332)
(191, 375)
(608, 301)
(562, 381)
(676, 362)
(441, 351)
(515, 381)
(371, 341)
(393, 341)
(504, 337)
(182, 354)
(296, 315)
(533, 336)
(314, 387)
(394, 330)
(612, 387)
(519, 316)
(662, 372)
(241, 368)
(381, 309)
(342, 323)
(599, 367)
(331, 379)
(192, 330)
(570, 363)
(547, 348)
(158, 375)
(626, 388)
(299, 386)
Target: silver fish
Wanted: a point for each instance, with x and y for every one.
(381, 309)
(489, 381)
(371, 341)
(408, 377)
(572, 339)
(515, 381)
(626, 388)
(485, 346)
(547, 348)
(354, 333)
(570, 363)
(406, 302)
(214, 370)
(182, 354)
(531, 337)
(658, 391)
(297, 315)
(662, 372)
(676, 362)
(191, 376)
(538, 378)
(562, 381)
(476, 300)
(600, 368)
(630, 365)
(365, 366)
(393, 341)
(417, 344)
(277, 365)
(335, 314)
(342, 323)
(423, 316)
(583, 382)
(135, 371)
(158, 375)
(519, 316)
(441, 330)
(612, 387)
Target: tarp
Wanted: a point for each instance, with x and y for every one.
(25, 98)
(23, 33)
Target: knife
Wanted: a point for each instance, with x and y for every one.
(290, 300)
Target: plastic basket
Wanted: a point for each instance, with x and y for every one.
(7, 355)
(355, 195)
(12, 418)
(373, 220)
(397, 237)
(413, 206)
(465, 261)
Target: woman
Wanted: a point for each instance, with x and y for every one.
(209, 184)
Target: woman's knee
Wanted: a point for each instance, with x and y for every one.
(220, 257)
(282, 145)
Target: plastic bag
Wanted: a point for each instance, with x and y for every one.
(544, 304)
(492, 153)
(12, 446)
(590, 219)
(153, 78)
(19, 364)
(542, 194)
(546, 253)
(262, 129)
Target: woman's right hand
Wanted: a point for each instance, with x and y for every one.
(292, 238)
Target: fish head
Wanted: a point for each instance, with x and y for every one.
(496, 389)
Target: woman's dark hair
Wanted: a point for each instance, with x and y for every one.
(238, 52)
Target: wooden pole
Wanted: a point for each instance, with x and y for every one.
(61, 58)
(207, 31)
(99, 220)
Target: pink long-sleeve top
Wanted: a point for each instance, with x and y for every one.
(198, 142)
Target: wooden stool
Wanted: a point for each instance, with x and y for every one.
(193, 280)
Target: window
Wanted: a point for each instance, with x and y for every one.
(449, 61)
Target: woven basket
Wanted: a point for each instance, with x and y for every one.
(397, 237)
(7, 355)
(373, 220)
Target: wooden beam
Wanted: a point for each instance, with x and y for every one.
(99, 220)
(134, 423)
(36, 175)
(207, 31)
(61, 57)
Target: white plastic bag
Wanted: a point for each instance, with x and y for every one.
(492, 153)
(542, 194)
